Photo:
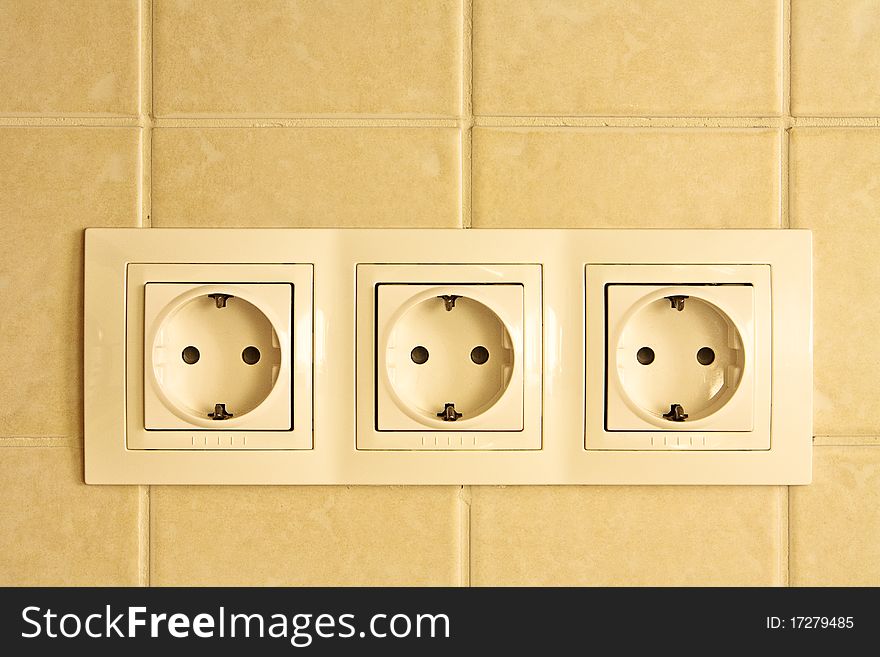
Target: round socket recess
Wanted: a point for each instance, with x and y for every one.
(449, 357)
(215, 355)
(679, 358)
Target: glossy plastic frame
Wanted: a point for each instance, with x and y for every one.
(335, 254)
(370, 396)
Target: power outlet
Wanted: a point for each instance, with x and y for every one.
(449, 356)
(680, 358)
(224, 354)
(686, 352)
(218, 356)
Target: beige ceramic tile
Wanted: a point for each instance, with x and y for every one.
(836, 193)
(277, 57)
(627, 178)
(297, 536)
(835, 57)
(835, 521)
(55, 530)
(388, 177)
(631, 536)
(63, 57)
(612, 57)
(53, 183)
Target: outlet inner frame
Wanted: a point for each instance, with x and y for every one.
(292, 432)
(742, 424)
(518, 412)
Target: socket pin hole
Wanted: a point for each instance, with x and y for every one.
(480, 355)
(705, 356)
(419, 355)
(190, 355)
(645, 355)
(250, 355)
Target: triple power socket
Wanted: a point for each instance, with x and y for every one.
(448, 356)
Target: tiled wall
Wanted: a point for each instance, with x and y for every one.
(456, 113)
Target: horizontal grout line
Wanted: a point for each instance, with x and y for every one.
(304, 122)
(462, 122)
(846, 441)
(72, 121)
(628, 122)
(40, 441)
(835, 122)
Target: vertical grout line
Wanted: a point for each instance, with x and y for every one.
(143, 536)
(786, 539)
(145, 103)
(467, 156)
(785, 222)
(784, 178)
(145, 110)
(467, 113)
(466, 176)
(788, 121)
(144, 172)
(464, 496)
(786, 60)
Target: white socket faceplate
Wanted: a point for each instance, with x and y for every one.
(399, 308)
(679, 341)
(169, 400)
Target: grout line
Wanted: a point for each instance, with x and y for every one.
(145, 55)
(835, 122)
(707, 122)
(145, 105)
(144, 535)
(785, 136)
(147, 61)
(467, 156)
(785, 133)
(304, 122)
(145, 164)
(629, 121)
(467, 111)
(785, 538)
(464, 497)
(466, 183)
(71, 121)
(785, 158)
(786, 59)
(785, 178)
(846, 441)
(41, 441)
